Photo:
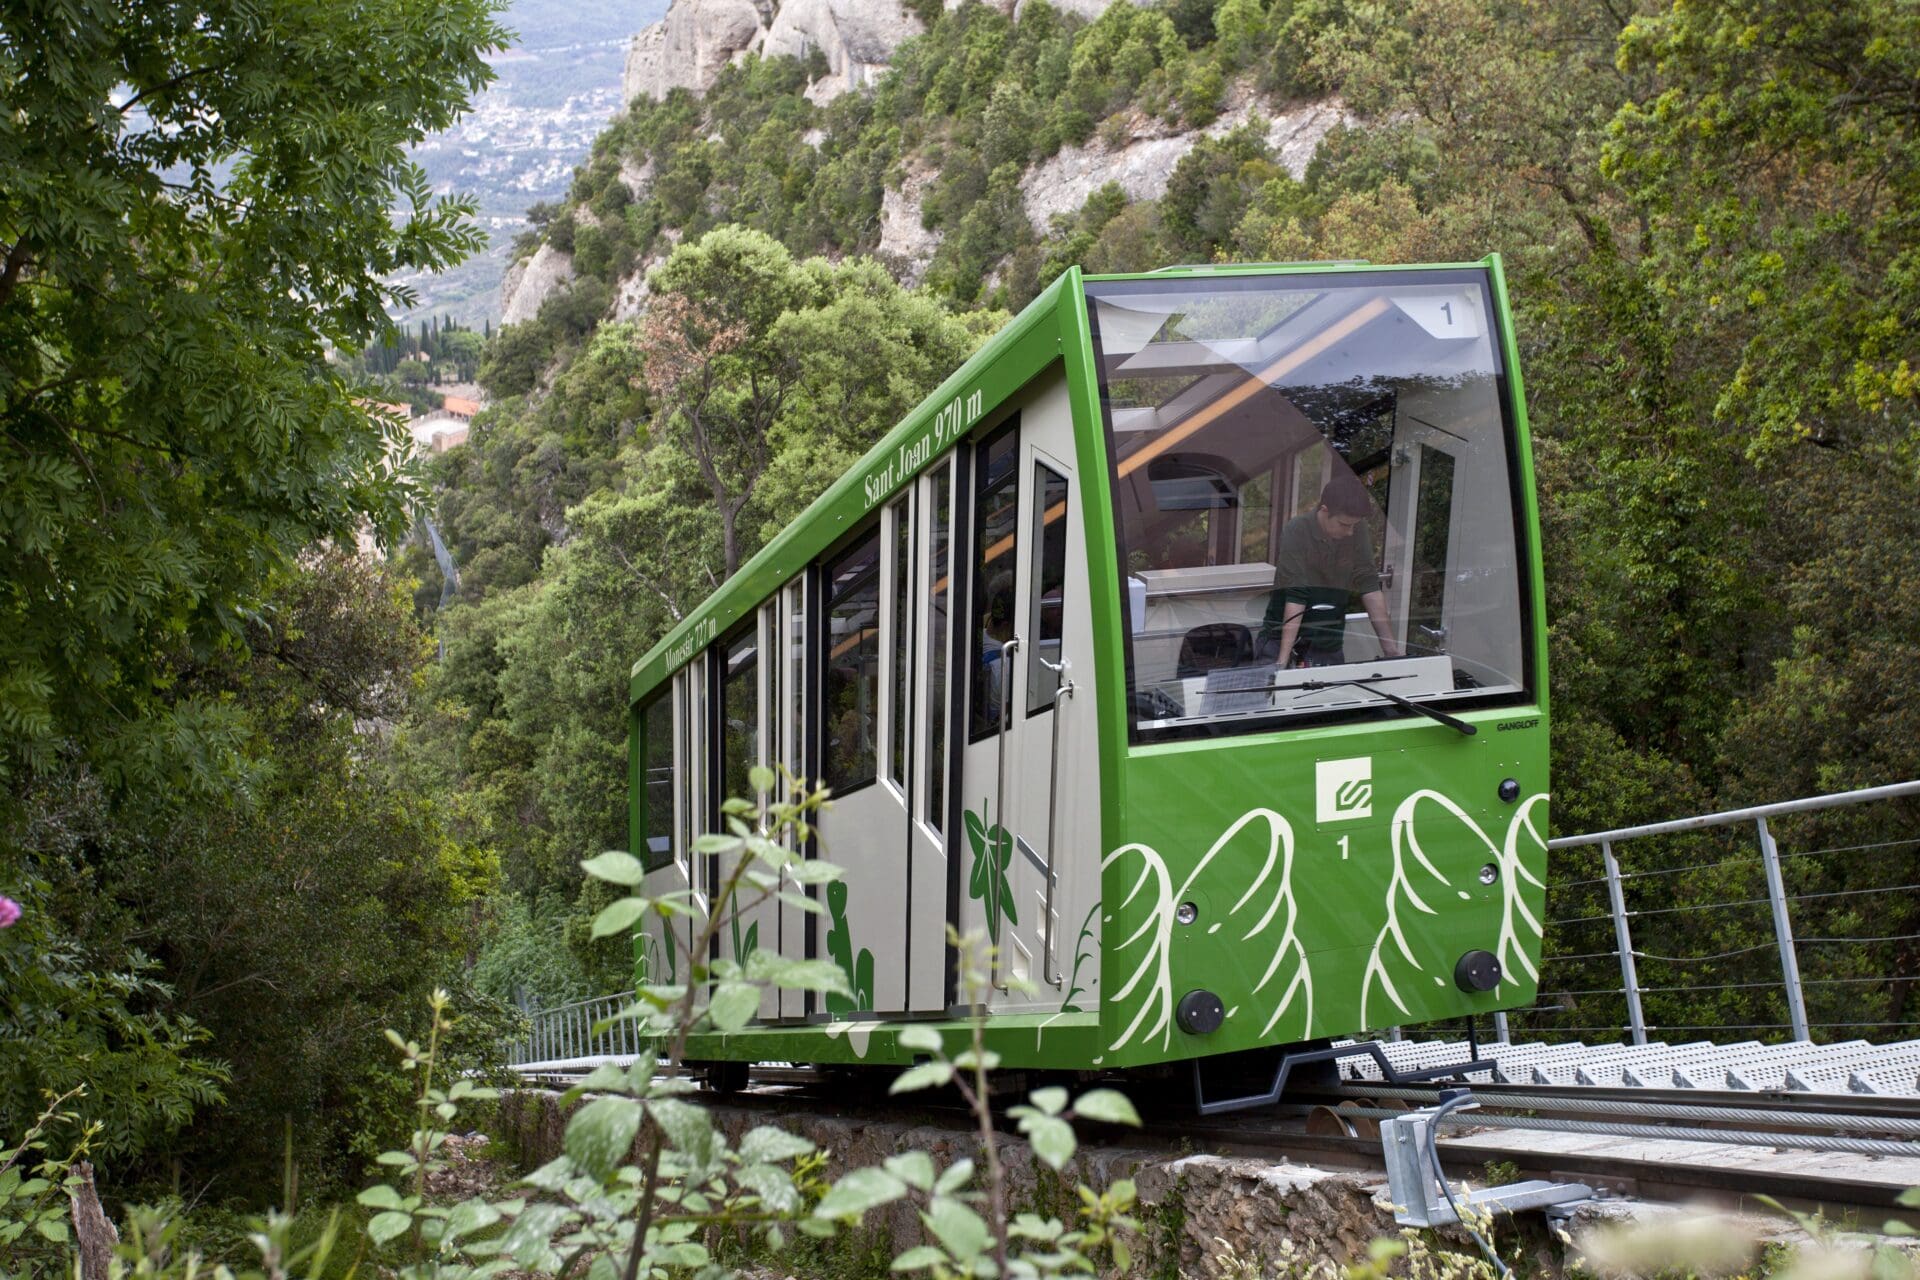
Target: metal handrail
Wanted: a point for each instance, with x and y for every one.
(566, 1031)
(1752, 814)
(1007, 652)
(1777, 897)
(1063, 690)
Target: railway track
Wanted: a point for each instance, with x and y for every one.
(1844, 1153)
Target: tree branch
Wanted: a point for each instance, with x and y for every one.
(16, 262)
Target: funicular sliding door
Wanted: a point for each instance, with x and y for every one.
(749, 704)
(861, 722)
(761, 688)
(1026, 755)
(661, 945)
(787, 699)
(677, 791)
(933, 631)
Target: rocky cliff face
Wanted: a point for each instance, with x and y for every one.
(687, 48)
(1143, 167)
(1060, 184)
(530, 281)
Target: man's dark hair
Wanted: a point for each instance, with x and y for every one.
(1345, 495)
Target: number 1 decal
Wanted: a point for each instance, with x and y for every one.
(1343, 847)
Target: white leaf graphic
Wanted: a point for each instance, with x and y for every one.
(1406, 841)
(1280, 906)
(1157, 929)
(1512, 871)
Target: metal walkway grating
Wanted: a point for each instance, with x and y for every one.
(1852, 1066)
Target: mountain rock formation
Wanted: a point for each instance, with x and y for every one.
(687, 48)
(530, 281)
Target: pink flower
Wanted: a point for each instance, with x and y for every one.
(9, 911)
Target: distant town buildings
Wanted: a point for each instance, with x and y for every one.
(440, 429)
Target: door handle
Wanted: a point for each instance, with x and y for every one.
(1048, 969)
(1007, 652)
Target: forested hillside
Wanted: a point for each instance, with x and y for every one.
(249, 765)
(1709, 215)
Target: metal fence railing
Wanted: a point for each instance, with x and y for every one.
(1799, 919)
(566, 1032)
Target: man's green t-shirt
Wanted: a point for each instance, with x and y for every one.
(1323, 573)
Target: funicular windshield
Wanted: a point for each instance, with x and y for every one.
(1313, 492)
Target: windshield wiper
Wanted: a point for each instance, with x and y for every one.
(1368, 683)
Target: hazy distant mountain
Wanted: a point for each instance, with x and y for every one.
(557, 88)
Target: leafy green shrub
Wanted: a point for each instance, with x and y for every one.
(34, 1185)
(576, 309)
(1202, 90)
(515, 358)
(470, 1048)
(1212, 187)
(658, 1210)
(279, 922)
(98, 1033)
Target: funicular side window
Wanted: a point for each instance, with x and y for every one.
(686, 762)
(902, 570)
(1310, 471)
(996, 536)
(740, 713)
(797, 757)
(851, 687)
(939, 595)
(656, 765)
(1047, 609)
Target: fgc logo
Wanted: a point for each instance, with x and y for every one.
(1343, 789)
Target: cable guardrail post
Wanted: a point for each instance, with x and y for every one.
(1623, 939)
(1783, 932)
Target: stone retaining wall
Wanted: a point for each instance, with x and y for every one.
(1268, 1210)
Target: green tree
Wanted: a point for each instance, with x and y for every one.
(719, 379)
(200, 199)
(1780, 176)
(746, 348)
(264, 931)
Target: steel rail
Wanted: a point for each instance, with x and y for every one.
(1667, 1133)
(1676, 1182)
(1569, 1098)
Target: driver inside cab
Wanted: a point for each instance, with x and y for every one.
(1325, 559)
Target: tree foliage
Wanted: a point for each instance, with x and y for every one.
(199, 200)
(242, 943)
